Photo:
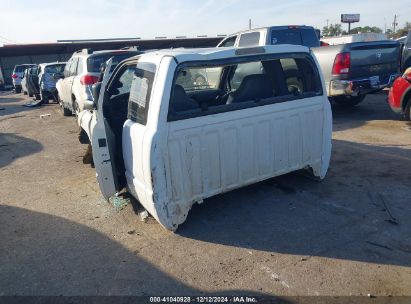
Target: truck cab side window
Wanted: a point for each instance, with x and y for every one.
(249, 39)
(229, 42)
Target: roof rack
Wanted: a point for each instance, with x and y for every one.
(130, 48)
(85, 51)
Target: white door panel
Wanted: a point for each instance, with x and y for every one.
(133, 138)
(87, 120)
(217, 153)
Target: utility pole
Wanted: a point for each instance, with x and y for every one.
(394, 24)
(385, 26)
(249, 24)
(327, 22)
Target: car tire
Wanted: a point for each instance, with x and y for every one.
(37, 97)
(44, 98)
(76, 110)
(24, 93)
(406, 115)
(17, 90)
(348, 101)
(64, 110)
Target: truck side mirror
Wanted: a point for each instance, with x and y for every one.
(95, 90)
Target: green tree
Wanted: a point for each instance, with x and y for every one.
(366, 29)
(403, 31)
(332, 30)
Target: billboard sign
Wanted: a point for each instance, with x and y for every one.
(350, 18)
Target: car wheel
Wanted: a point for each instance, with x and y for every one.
(24, 92)
(407, 111)
(64, 110)
(76, 109)
(17, 90)
(37, 97)
(44, 98)
(348, 101)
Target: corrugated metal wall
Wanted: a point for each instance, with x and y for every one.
(11, 55)
(7, 63)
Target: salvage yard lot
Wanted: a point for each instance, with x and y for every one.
(347, 235)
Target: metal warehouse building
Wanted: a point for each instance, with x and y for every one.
(14, 54)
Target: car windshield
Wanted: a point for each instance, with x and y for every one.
(94, 62)
(20, 68)
(52, 69)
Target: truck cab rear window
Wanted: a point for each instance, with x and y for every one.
(249, 39)
(298, 36)
(199, 91)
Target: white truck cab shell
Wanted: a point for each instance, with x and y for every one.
(171, 162)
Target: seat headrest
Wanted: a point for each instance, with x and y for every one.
(256, 86)
(181, 101)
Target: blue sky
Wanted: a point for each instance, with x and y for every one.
(48, 20)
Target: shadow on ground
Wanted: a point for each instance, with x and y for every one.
(13, 105)
(42, 254)
(374, 107)
(343, 217)
(13, 146)
(7, 98)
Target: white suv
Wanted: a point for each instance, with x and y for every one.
(81, 72)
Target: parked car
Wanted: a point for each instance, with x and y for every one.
(17, 76)
(81, 72)
(48, 75)
(406, 53)
(173, 142)
(274, 35)
(351, 70)
(399, 97)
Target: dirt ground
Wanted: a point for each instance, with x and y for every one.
(286, 236)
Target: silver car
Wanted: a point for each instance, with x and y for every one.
(48, 74)
(17, 76)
